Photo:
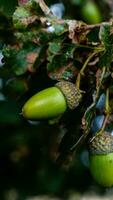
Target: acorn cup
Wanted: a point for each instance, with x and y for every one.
(52, 102)
(101, 159)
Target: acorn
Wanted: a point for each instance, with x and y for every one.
(101, 159)
(91, 13)
(52, 102)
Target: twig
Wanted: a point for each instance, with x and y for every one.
(81, 73)
(107, 110)
(107, 107)
(44, 7)
(85, 27)
(92, 26)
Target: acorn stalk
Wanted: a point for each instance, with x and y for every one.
(52, 102)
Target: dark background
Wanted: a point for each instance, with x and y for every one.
(27, 149)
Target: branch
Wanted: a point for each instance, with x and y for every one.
(84, 27)
(44, 8)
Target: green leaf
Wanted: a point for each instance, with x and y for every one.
(19, 16)
(59, 29)
(87, 118)
(104, 34)
(25, 14)
(60, 59)
(54, 47)
(21, 60)
(68, 50)
(106, 38)
(20, 63)
(57, 62)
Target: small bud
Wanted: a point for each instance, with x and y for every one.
(97, 123)
(101, 102)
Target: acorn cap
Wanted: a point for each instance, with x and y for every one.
(71, 93)
(101, 144)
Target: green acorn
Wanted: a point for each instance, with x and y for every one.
(91, 13)
(52, 102)
(101, 159)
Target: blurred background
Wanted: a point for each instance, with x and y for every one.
(27, 148)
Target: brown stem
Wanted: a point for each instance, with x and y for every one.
(92, 26)
(81, 73)
(48, 12)
(107, 107)
(100, 82)
(44, 7)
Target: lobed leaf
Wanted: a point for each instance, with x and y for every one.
(106, 37)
